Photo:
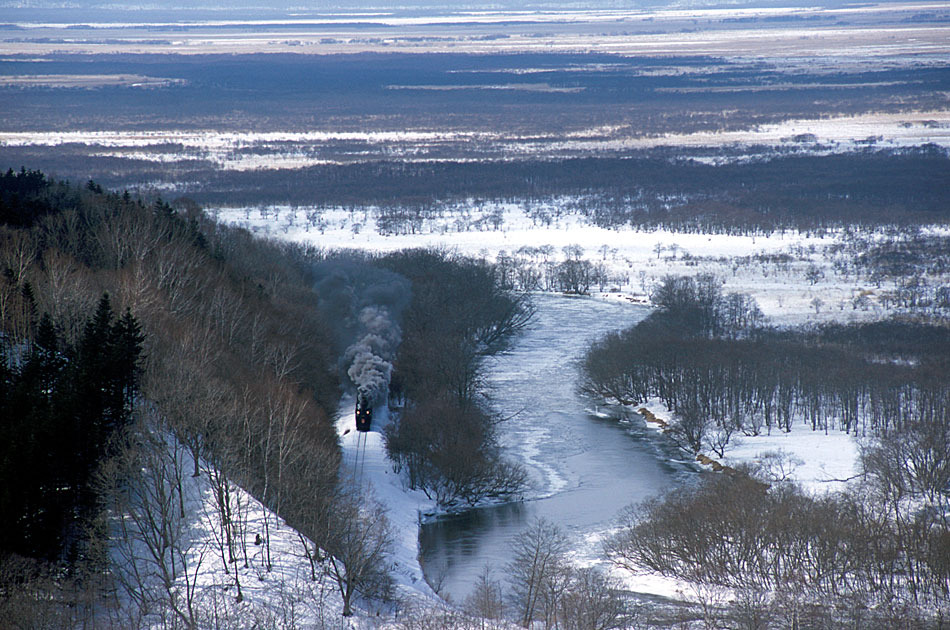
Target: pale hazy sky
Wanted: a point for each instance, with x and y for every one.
(323, 5)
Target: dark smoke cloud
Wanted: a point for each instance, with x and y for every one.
(364, 303)
(370, 358)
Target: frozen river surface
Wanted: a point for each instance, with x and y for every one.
(584, 467)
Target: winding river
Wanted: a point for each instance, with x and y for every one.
(584, 466)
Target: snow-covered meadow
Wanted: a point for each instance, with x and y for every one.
(820, 461)
(790, 274)
(855, 35)
(241, 151)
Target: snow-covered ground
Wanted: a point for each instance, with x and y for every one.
(277, 588)
(152, 543)
(250, 151)
(803, 287)
(820, 460)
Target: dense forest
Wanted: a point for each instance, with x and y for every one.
(63, 407)
(219, 344)
(143, 345)
(651, 190)
(879, 549)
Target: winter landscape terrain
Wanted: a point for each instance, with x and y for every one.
(804, 287)
(648, 303)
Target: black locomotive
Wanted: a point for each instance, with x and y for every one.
(364, 413)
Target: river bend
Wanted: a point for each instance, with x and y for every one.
(584, 466)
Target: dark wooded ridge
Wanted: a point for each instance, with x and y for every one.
(223, 365)
(221, 343)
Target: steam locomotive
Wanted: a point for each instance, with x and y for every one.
(364, 413)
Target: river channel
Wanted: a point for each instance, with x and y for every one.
(584, 466)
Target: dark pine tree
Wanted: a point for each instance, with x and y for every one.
(126, 344)
(34, 507)
(90, 377)
(60, 411)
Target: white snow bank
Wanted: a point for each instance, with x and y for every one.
(819, 460)
(365, 463)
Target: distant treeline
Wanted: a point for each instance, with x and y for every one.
(647, 190)
(915, 261)
(654, 191)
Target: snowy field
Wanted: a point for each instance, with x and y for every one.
(243, 592)
(820, 461)
(256, 151)
(635, 260)
(857, 34)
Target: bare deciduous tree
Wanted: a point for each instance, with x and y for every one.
(537, 569)
(359, 544)
(154, 563)
(486, 601)
(593, 601)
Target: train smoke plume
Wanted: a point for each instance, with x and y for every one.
(364, 304)
(370, 358)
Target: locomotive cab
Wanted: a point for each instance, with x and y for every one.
(364, 414)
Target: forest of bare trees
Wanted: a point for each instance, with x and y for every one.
(707, 359)
(881, 545)
(228, 373)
